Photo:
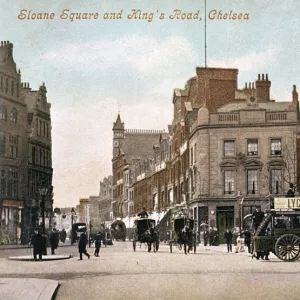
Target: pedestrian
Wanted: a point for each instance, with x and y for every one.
(205, 237)
(37, 242)
(257, 217)
(54, 239)
(82, 245)
(143, 213)
(228, 237)
(98, 239)
(239, 245)
(247, 239)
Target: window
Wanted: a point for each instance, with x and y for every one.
(275, 146)
(276, 182)
(3, 186)
(13, 115)
(252, 147)
(192, 156)
(12, 88)
(1, 83)
(2, 142)
(33, 155)
(195, 152)
(228, 182)
(229, 148)
(2, 112)
(252, 181)
(6, 85)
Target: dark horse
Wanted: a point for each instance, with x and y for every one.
(186, 238)
(152, 237)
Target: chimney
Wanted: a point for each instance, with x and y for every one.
(263, 87)
(295, 95)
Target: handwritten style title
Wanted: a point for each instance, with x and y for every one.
(134, 14)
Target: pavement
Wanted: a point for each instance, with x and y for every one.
(27, 288)
(30, 288)
(44, 289)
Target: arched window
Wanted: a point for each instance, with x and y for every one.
(1, 84)
(6, 86)
(18, 89)
(13, 115)
(2, 112)
(12, 87)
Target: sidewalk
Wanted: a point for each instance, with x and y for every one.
(27, 288)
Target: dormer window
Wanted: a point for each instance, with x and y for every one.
(252, 147)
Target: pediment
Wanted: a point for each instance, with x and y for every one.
(253, 163)
(229, 163)
(275, 162)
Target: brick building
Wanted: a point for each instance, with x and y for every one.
(221, 157)
(130, 147)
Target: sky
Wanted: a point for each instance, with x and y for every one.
(95, 68)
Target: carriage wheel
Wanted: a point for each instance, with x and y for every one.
(287, 247)
(171, 247)
(134, 245)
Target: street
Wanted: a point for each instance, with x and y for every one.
(121, 273)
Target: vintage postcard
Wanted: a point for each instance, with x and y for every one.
(149, 149)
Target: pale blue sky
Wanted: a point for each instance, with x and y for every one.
(93, 68)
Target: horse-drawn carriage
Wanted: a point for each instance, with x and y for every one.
(182, 234)
(144, 232)
(279, 232)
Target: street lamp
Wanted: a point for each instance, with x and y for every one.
(240, 199)
(73, 214)
(43, 190)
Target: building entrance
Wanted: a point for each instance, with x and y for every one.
(225, 219)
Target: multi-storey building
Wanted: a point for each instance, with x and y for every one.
(129, 147)
(39, 168)
(228, 150)
(105, 202)
(246, 153)
(23, 114)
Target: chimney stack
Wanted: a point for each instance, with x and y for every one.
(263, 88)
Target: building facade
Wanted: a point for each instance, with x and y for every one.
(20, 110)
(228, 150)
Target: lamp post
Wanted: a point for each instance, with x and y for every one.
(43, 190)
(73, 213)
(240, 199)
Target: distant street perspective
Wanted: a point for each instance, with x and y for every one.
(149, 150)
(120, 273)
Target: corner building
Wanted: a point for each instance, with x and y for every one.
(25, 151)
(243, 147)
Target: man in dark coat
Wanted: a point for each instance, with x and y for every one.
(205, 237)
(82, 245)
(54, 239)
(247, 239)
(257, 217)
(228, 237)
(38, 244)
(98, 239)
(143, 213)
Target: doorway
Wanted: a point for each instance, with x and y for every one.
(225, 219)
